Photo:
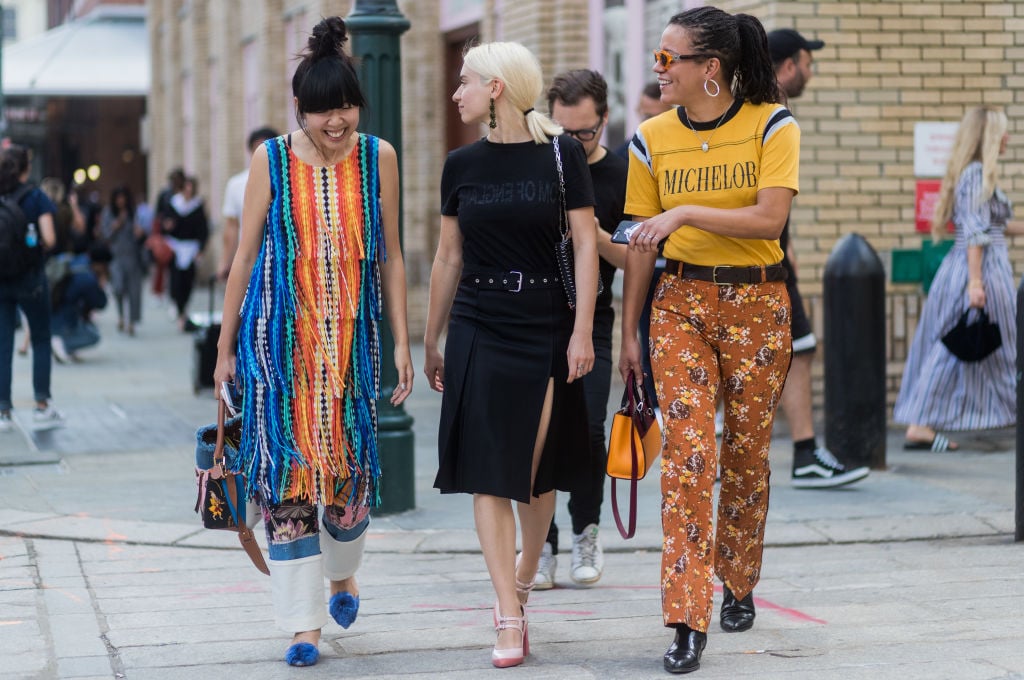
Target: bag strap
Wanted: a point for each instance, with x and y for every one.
(245, 535)
(563, 220)
(634, 465)
(20, 192)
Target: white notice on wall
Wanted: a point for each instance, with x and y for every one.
(932, 144)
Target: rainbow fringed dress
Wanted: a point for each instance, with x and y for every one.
(309, 341)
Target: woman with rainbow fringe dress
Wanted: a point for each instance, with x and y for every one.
(319, 249)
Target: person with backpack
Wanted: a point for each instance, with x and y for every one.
(26, 229)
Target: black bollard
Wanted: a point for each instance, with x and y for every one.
(1019, 514)
(854, 298)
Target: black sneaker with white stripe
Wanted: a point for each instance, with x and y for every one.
(819, 469)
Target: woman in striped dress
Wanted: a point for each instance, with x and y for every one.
(319, 248)
(939, 391)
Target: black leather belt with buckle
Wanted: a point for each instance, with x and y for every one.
(511, 281)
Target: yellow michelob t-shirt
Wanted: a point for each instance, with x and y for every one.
(755, 146)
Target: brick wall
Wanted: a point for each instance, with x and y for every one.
(886, 65)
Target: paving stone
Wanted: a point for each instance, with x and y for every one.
(84, 667)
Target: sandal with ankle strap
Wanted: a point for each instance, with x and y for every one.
(513, 656)
(523, 590)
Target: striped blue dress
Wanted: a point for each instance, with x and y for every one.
(939, 390)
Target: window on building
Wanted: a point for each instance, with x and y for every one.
(10, 24)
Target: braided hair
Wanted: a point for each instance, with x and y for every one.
(740, 44)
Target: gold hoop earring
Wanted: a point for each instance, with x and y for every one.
(493, 123)
(718, 88)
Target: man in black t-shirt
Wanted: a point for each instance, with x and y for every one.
(578, 101)
(814, 467)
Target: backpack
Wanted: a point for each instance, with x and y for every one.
(16, 256)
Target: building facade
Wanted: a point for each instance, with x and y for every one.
(219, 71)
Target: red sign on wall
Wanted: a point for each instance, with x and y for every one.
(926, 196)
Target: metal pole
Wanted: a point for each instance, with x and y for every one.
(1019, 514)
(376, 26)
(855, 353)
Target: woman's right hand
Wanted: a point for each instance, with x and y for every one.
(225, 369)
(630, 360)
(433, 367)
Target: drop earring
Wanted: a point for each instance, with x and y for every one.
(493, 123)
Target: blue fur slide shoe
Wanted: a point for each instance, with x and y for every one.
(344, 608)
(302, 654)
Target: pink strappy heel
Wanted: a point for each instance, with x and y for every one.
(513, 656)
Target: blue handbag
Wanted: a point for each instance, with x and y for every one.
(221, 495)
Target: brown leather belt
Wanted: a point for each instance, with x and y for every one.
(725, 275)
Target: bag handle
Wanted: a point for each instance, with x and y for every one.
(245, 536)
(634, 405)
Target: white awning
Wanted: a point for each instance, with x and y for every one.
(104, 54)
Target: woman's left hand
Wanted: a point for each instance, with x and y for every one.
(580, 355)
(653, 231)
(403, 366)
(976, 296)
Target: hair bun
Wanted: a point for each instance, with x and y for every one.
(328, 38)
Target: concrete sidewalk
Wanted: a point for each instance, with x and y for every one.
(105, 571)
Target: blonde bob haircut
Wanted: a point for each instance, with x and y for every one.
(977, 139)
(519, 70)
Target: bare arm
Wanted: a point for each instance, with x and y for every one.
(637, 279)
(229, 243)
(975, 282)
(763, 220)
(47, 230)
(393, 272)
(613, 253)
(257, 203)
(444, 280)
(580, 354)
(77, 218)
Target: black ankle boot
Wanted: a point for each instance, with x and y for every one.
(737, 615)
(683, 656)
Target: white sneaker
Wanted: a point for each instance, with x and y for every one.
(545, 577)
(587, 556)
(6, 424)
(60, 352)
(47, 418)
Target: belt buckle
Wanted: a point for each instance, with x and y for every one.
(714, 276)
(519, 283)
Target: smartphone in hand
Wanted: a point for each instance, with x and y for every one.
(231, 397)
(624, 231)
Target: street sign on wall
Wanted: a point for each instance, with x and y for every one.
(932, 144)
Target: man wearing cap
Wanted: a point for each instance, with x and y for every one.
(814, 467)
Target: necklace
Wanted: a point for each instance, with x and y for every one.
(705, 145)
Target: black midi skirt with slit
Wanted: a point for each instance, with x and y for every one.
(501, 350)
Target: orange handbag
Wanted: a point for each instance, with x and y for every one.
(634, 444)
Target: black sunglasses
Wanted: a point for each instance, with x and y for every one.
(584, 135)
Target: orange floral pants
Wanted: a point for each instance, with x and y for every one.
(706, 338)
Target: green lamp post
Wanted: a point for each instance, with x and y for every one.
(376, 26)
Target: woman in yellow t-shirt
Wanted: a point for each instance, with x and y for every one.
(712, 182)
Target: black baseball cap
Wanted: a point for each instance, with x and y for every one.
(783, 43)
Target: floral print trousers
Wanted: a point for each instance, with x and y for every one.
(301, 556)
(706, 340)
